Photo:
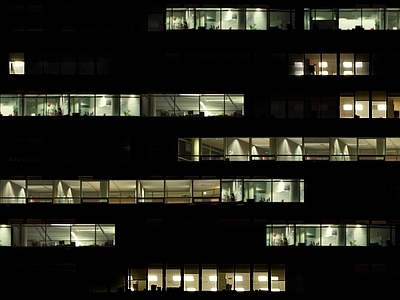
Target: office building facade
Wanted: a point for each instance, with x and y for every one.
(241, 149)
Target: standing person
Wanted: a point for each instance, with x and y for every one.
(233, 197)
(59, 111)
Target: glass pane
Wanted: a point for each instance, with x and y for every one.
(191, 278)
(237, 149)
(83, 235)
(151, 191)
(289, 149)
(328, 66)
(10, 105)
(225, 277)
(137, 279)
(333, 235)
(308, 235)
(242, 278)
(356, 235)
(130, 105)
(178, 191)
(208, 18)
(5, 235)
(379, 236)
(350, 19)
(231, 190)
(107, 105)
(278, 278)
(296, 64)
(232, 19)
(212, 148)
(343, 149)
(155, 277)
(105, 235)
(378, 104)
(13, 191)
(209, 277)
(260, 277)
(346, 64)
(234, 105)
(206, 190)
(256, 19)
(257, 190)
(67, 191)
(122, 191)
(173, 277)
(362, 64)
(316, 148)
(59, 234)
(346, 106)
(82, 105)
(313, 64)
(40, 190)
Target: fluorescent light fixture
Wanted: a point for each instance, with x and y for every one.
(325, 73)
(176, 278)
(323, 64)
(298, 64)
(347, 64)
(238, 278)
(394, 28)
(214, 289)
(239, 289)
(191, 289)
(347, 107)
(263, 289)
(18, 63)
(347, 72)
(212, 278)
(262, 278)
(298, 73)
(275, 290)
(275, 278)
(359, 64)
(152, 278)
(381, 106)
(188, 278)
(359, 107)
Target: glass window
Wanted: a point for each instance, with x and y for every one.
(40, 191)
(206, 190)
(178, 191)
(233, 18)
(378, 104)
(130, 105)
(10, 105)
(17, 63)
(226, 277)
(94, 190)
(347, 105)
(83, 235)
(173, 277)
(151, 191)
(328, 65)
(13, 191)
(362, 104)
(280, 235)
(324, 19)
(210, 105)
(82, 105)
(350, 19)
(287, 190)
(278, 105)
(58, 234)
(278, 278)
(371, 148)
(316, 148)
(380, 236)
(237, 149)
(260, 277)
(372, 18)
(296, 105)
(232, 190)
(155, 277)
(361, 64)
(212, 148)
(256, 19)
(105, 235)
(393, 105)
(392, 18)
(343, 149)
(234, 105)
(346, 66)
(242, 278)
(392, 149)
(36, 236)
(209, 277)
(257, 190)
(36, 105)
(5, 235)
(308, 235)
(356, 235)
(137, 279)
(191, 278)
(313, 64)
(281, 20)
(333, 235)
(262, 149)
(67, 191)
(188, 149)
(122, 191)
(289, 149)
(296, 64)
(208, 18)
(107, 105)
